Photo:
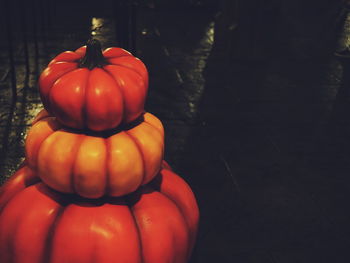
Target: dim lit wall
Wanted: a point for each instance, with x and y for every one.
(261, 29)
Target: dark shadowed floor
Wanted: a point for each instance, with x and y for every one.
(255, 108)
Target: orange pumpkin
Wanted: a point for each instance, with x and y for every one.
(95, 90)
(155, 224)
(112, 164)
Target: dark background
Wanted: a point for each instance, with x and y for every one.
(254, 101)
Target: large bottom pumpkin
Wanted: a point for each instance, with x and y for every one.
(156, 224)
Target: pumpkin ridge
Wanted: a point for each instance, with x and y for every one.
(172, 178)
(176, 204)
(154, 139)
(40, 116)
(55, 60)
(93, 255)
(19, 222)
(107, 178)
(50, 234)
(129, 205)
(50, 88)
(52, 146)
(154, 127)
(124, 66)
(11, 245)
(122, 52)
(131, 70)
(72, 170)
(189, 232)
(64, 61)
(117, 86)
(184, 215)
(142, 89)
(84, 106)
(151, 196)
(9, 242)
(51, 100)
(54, 118)
(63, 73)
(141, 153)
(161, 136)
(124, 55)
(41, 144)
(39, 147)
(23, 174)
(79, 51)
(151, 119)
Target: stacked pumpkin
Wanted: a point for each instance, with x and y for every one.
(94, 186)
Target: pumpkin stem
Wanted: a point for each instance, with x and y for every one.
(93, 57)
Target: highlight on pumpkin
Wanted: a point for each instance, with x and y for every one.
(157, 223)
(93, 166)
(93, 89)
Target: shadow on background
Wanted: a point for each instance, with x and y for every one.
(271, 125)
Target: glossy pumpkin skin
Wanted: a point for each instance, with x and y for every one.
(93, 166)
(156, 224)
(98, 98)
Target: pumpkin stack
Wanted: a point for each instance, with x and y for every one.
(94, 187)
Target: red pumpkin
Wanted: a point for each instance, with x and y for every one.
(87, 89)
(114, 164)
(156, 224)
